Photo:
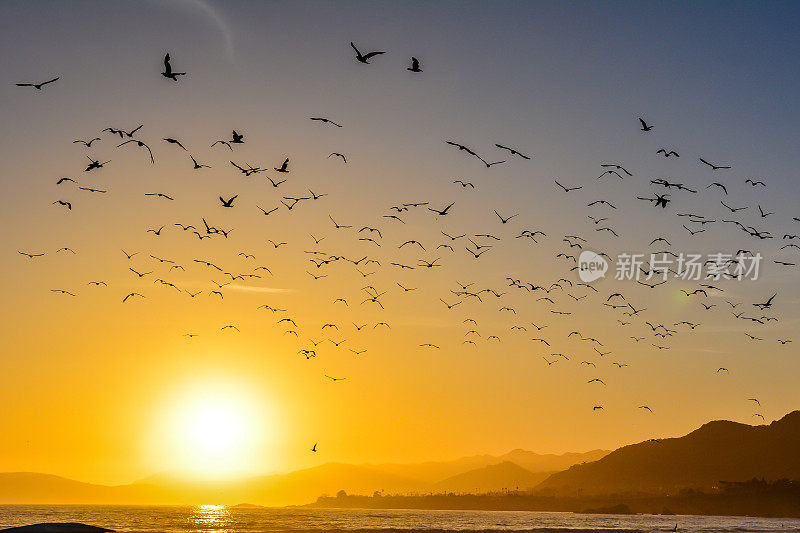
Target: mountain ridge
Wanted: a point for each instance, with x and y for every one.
(295, 487)
(716, 451)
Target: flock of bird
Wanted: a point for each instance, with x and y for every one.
(560, 299)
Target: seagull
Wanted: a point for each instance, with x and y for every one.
(513, 152)
(168, 70)
(140, 144)
(226, 143)
(88, 143)
(174, 141)
(364, 58)
(93, 164)
(442, 212)
(160, 195)
(30, 255)
(326, 121)
(767, 304)
(414, 65)
(645, 125)
(504, 220)
(198, 166)
(229, 201)
(38, 85)
(713, 166)
(62, 291)
(568, 189)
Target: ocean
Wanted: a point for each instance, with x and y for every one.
(221, 519)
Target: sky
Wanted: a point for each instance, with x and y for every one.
(105, 391)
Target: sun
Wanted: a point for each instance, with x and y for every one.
(215, 430)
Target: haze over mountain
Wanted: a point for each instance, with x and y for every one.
(717, 451)
(435, 471)
(502, 476)
(480, 473)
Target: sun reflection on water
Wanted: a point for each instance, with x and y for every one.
(210, 519)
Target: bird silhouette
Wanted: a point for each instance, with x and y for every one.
(326, 121)
(568, 189)
(38, 85)
(442, 212)
(87, 144)
(197, 166)
(713, 166)
(512, 151)
(175, 142)
(140, 144)
(229, 201)
(168, 73)
(364, 58)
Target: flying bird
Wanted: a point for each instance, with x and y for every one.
(364, 58)
(713, 166)
(140, 144)
(326, 121)
(38, 85)
(175, 142)
(88, 143)
(168, 73)
(229, 201)
(512, 151)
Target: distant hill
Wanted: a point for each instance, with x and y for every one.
(717, 451)
(306, 485)
(298, 487)
(501, 476)
(30, 487)
(536, 462)
(435, 471)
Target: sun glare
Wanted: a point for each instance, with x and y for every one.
(216, 430)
